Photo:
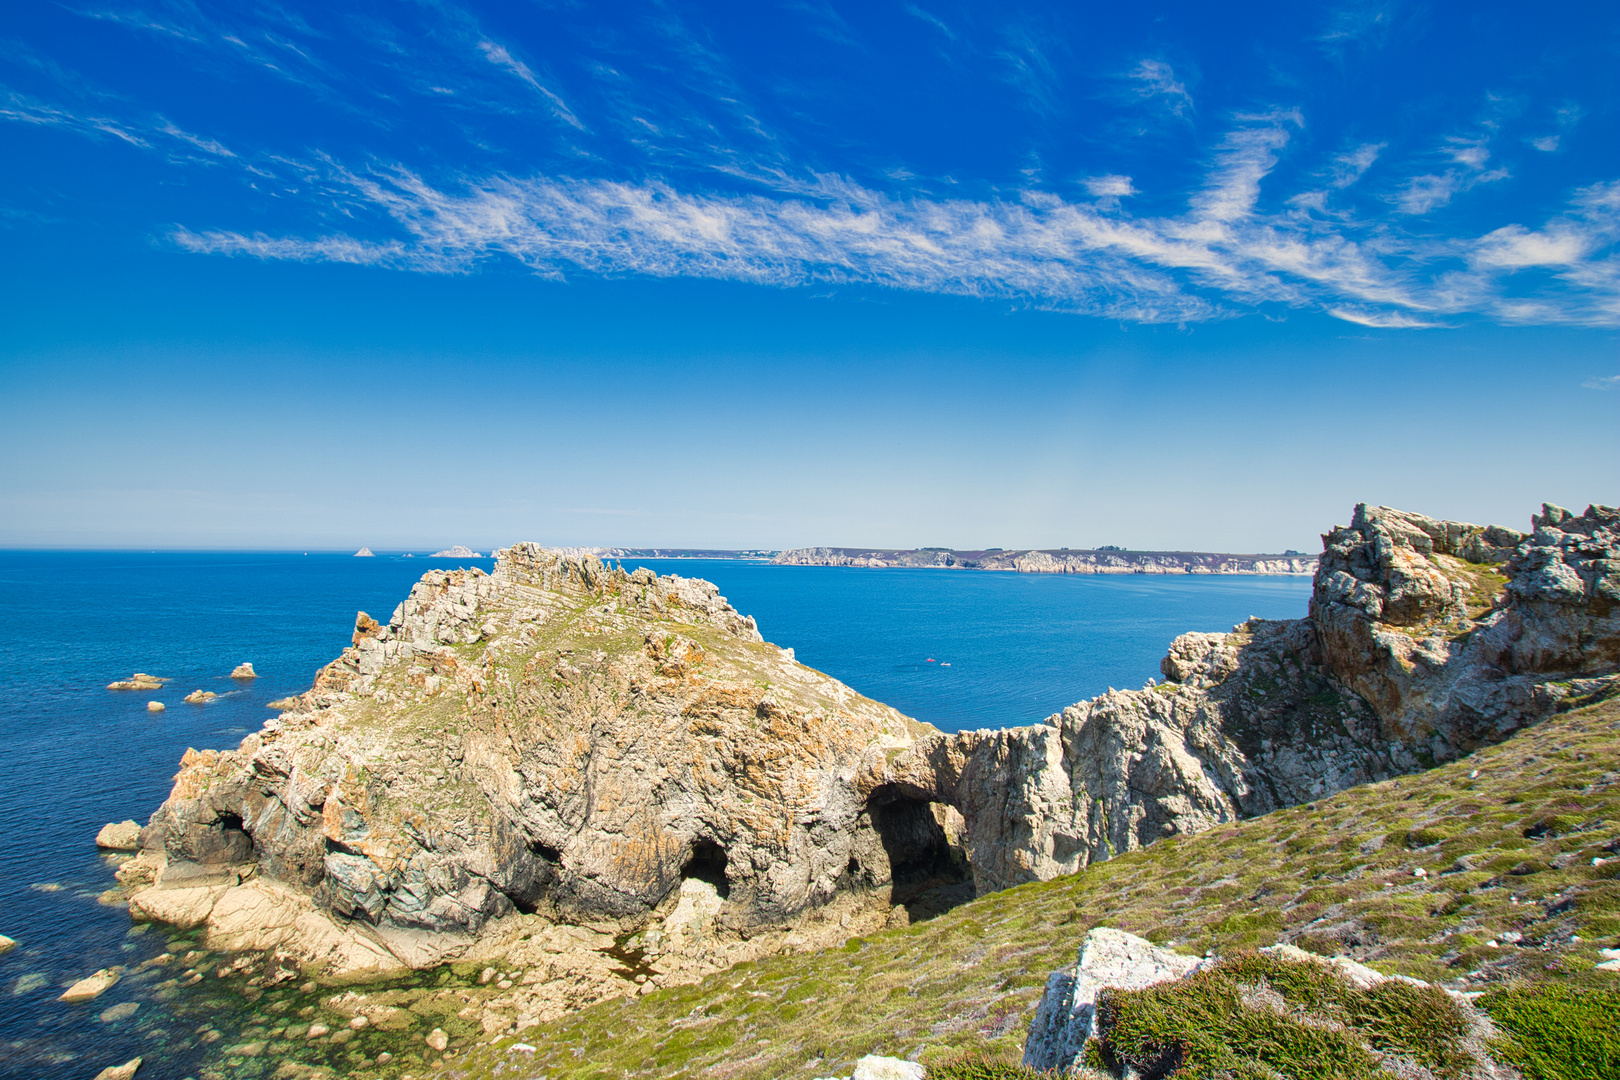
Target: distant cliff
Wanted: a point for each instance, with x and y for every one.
(1061, 561)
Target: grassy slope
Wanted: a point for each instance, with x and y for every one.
(972, 977)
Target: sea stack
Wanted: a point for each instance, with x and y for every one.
(244, 671)
(364, 553)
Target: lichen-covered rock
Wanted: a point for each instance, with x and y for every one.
(559, 738)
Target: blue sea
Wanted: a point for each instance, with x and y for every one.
(959, 649)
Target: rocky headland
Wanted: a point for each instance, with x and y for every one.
(611, 782)
(1059, 561)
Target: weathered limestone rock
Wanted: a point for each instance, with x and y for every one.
(244, 671)
(93, 986)
(875, 1067)
(1066, 1016)
(154, 706)
(560, 740)
(437, 1039)
(126, 1071)
(119, 836)
(200, 697)
(139, 681)
(1426, 639)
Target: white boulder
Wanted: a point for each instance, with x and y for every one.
(1066, 1017)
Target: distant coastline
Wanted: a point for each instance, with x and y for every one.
(1011, 560)
(1055, 561)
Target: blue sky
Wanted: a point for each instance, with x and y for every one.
(773, 274)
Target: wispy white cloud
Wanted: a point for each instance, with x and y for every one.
(1225, 254)
(1351, 166)
(1156, 81)
(1382, 320)
(1607, 382)
(1363, 23)
(1546, 143)
(1110, 186)
(499, 56)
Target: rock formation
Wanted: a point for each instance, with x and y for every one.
(200, 697)
(364, 553)
(559, 741)
(1063, 561)
(119, 836)
(244, 671)
(155, 706)
(1426, 639)
(456, 552)
(139, 681)
(613, 775)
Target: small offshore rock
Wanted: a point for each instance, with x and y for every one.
(119, 836)
(873, 1067)
(244, 671)
(437, 1039)
(120, 1072)
(92, 987)
(198, 697)
(139, 681)
(364, 553)
(154, 706)
(7, 944)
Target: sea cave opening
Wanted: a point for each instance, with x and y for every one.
(708, 863)
(922, 844)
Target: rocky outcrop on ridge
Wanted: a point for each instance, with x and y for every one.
(557, 746)
(1064, 561)
(1426, 639)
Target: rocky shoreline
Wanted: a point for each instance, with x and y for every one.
(595, 784)
(1054, 561)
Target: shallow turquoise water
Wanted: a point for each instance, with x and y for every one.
(956, 648)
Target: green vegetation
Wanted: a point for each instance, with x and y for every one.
(1255, 1015)
(1558, 1032)
(1508, 898)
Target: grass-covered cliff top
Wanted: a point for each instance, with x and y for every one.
(1508, 895)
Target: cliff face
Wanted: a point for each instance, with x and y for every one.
(559, 739)
(1426, 639)
(1101, 561)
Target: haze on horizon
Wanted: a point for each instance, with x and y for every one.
(313, 276)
